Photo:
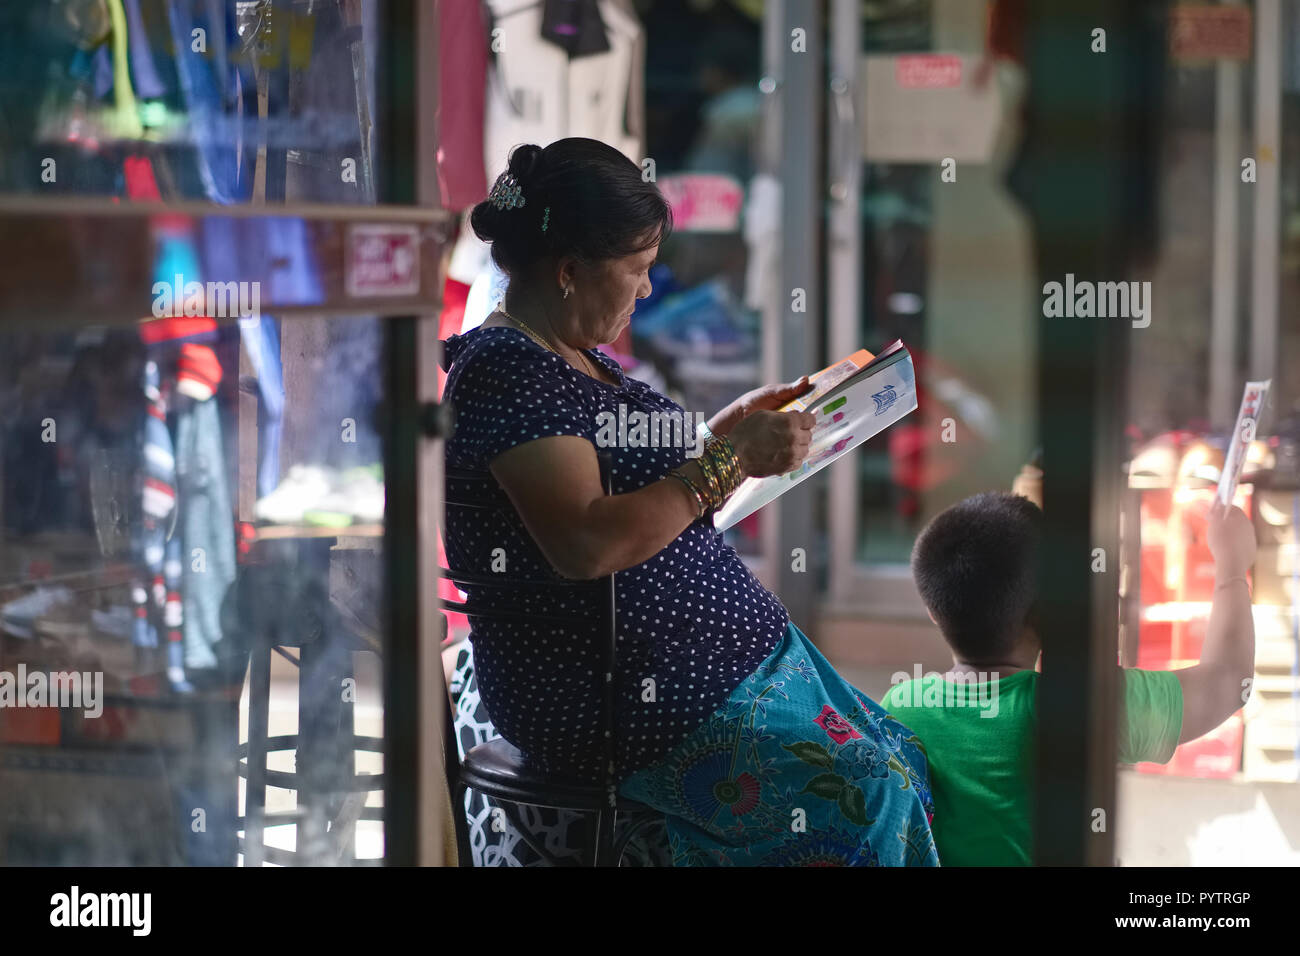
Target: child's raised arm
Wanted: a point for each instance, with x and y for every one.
(1216, 687)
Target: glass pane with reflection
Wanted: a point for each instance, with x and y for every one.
(191, 517)
(189, 99)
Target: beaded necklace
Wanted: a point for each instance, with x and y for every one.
(528, 330)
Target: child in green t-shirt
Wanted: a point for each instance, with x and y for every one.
(975, 567)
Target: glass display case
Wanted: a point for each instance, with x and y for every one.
(219, 258)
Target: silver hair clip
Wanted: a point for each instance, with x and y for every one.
(546, 218)
(506, 193)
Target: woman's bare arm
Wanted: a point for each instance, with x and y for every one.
(554, 484)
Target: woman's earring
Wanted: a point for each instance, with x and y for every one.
(567, 290)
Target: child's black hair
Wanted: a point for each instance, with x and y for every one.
(976, 566)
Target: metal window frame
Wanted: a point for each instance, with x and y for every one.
(791, 341)
(883, 590)
(416, 802)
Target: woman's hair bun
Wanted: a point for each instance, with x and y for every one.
(491, 224)
(582, 198)
(523, 163)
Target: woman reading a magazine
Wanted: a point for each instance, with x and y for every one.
(730, 721)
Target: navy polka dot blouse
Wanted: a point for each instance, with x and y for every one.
(693, 619)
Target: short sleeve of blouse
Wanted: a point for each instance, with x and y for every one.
(508, 394)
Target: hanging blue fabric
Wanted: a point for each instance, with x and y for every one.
(261, 338)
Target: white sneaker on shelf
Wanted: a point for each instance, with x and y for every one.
(363, 492)
(357, 497)
(301, 490)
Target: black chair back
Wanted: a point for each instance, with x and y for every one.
(604, 850)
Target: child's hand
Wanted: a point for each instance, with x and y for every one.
(1232, 541)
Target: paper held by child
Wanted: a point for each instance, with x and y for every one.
(1243, 433)
(854, 399)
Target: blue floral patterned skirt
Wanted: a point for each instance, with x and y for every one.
(797, 768)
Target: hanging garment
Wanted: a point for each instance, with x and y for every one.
(101, 65)
(454, 296)
(276, 251)
(155, 591)
(470, 263)
(125, 117)
(261, 340)
(206, 534)
(469, 256)
(206, 77)
(527, 88)
(243, 249)
(327, 125)
(137, 172)
(451, 322)
(537, 94)
(148, 84)
(149, 589)
(158, 500)
(111, 68)
(575, 27)
(172, 614)
(762, 232)
(485, 295)
(176, 262)
(462, 76)
(1005, 30)
(601, 86)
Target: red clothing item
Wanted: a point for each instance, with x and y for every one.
(1006, 30)
(140, 182)
(454, 296)
(462, 78)
(198, 372)
(153, 331)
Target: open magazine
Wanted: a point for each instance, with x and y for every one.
(854, 399)
(1243, 433)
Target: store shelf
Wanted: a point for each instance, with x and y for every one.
(283, 532)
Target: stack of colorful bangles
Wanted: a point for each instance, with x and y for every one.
(720, 466)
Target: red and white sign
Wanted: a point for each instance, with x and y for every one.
(928, 71)
(704, 202)
(383, 261)
(1203, 32)
(924, 108)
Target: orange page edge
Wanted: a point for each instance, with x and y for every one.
(860, 358)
